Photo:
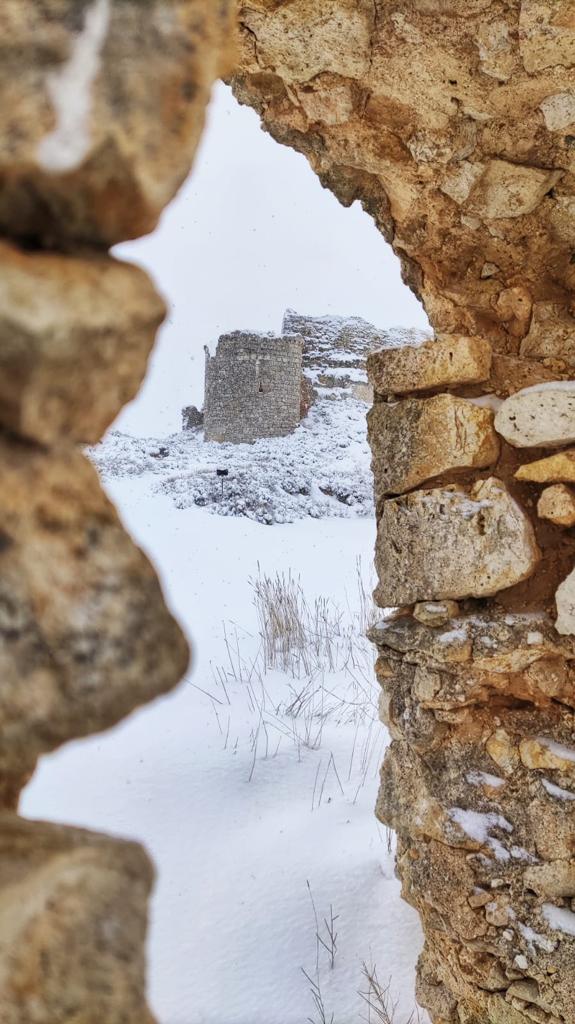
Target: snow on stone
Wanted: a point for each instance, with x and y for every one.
(477, 778)
(559, 749)
(535, 938)
(557, 791)
(70, 90)
(477, 825)
(558, 918)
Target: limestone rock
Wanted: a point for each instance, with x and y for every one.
(85, 636)
(449, 543)
(435, 613)
(89, 150)
(510, 190)
(72, 942)
(75, 336)
(547, 34)
(559, 468)
(539, 417)
(557, 504)
(416, 440)
(551, 333)
(558, 110)
(442, 362)
(565, 600)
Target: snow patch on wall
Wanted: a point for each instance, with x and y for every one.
(70, 90)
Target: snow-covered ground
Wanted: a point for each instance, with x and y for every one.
(323, 469)
(249, 809)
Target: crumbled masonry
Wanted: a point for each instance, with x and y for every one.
(453, 123)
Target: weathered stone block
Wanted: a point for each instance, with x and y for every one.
(510, 190)
(557, 504)
(85, 636)
(565, 600)
(539, 417)
(559, 468)
(551, 331)
(452, 543)
(546, 34)
(416, 440)
(75, 336)
(72, 941)
(88, 150)
(442, 362)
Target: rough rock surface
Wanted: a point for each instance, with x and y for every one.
(557, 503)
(416, 440)
(428, 365)
(73, 926)
(540, 417)
(485, 828)
(452, 543)
(90, 153)
(452, 123)
(75, 336)
(84, 633)
(565, 599)
(558, 468)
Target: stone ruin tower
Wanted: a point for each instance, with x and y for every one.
(253, 387)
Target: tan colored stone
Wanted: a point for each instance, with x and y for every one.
(556, 880)
(442, 362)
(551, 334)
(89, 151)
(451, 543)
(85, 636)
(503, 751)
(537, 754)
(510, 190)
(557, 504)
(72, 926)
(435, 613)
(559, 468)
(546, 34)
(75, 336)
(539, 417)
(565, 601)
(415, 440)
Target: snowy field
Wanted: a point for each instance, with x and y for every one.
(252, 787)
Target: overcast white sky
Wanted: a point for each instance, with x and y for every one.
(251, 233)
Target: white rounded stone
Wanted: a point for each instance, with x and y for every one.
(539, 417)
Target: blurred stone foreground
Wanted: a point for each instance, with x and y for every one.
(102, 108)
(453, 122)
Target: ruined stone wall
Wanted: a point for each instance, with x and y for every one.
(102, 107)
(253, 387)
(335, 348)
(453, 122)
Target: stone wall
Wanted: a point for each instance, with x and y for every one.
(253, 387)
(102, 108)
(453, 123)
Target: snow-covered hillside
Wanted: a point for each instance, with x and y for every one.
(321, 470)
